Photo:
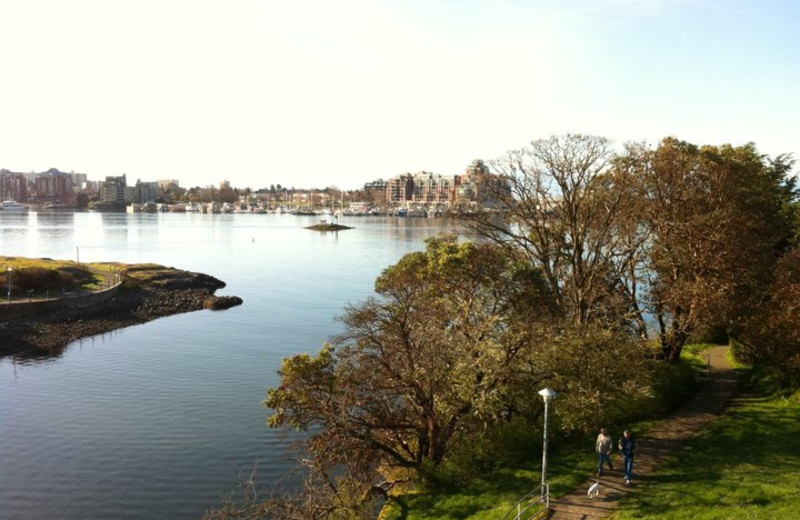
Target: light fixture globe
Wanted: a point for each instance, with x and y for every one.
(548, 394)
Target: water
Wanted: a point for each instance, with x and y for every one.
(160, 420)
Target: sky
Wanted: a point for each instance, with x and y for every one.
(317, 93)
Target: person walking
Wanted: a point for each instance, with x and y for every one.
(603, 448)
(627, 445)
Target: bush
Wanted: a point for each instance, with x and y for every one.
(509, 444)
(772, 336)
(742, 352)
(674, 384)
(40, 279)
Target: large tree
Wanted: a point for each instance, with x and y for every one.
(430, 356)
(716, 224)
(560, 203)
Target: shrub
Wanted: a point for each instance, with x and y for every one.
(674, 384)
(501, 445)
(41, 279)
(772, 336)
(742, 352)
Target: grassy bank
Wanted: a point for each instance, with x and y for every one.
(36, 277)
(571, 461)
(745, 465)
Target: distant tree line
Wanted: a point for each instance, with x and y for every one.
(593, 270)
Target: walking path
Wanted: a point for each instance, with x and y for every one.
(654, 447)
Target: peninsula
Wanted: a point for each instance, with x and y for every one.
(92, 299)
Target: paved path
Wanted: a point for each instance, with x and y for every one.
(654, 447)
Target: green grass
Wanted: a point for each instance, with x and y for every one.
(745, 465)
(696, 349)
(73, 275)
(490, 498)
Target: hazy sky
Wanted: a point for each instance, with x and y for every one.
(340, 92)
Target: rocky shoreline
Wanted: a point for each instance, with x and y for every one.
(148, 292)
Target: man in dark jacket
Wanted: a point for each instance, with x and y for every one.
(627, 444)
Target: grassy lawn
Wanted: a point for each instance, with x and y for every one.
(745, 465)
(490, 498)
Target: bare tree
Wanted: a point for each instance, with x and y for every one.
(559, 201)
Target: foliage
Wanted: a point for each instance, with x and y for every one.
(433, 378)
(673, 385)
(717, 221)
(686, 234)
(501, 445)
(41, 279)
(429, 359)
(772, 336)
(599, 374)
(492, 493)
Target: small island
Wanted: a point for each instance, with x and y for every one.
(328, 226)
(52, 303)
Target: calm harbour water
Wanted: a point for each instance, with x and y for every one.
(161, 419)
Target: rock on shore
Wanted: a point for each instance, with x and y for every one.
(149, 291)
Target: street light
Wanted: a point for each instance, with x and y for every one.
(9, 282)
(548, 395)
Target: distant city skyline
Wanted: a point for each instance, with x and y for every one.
(314, 94)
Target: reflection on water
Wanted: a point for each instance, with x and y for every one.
(158, 420)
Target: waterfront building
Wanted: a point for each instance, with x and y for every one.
(113, 189)
(422, 187)
(145, 191)
(481, 187)
(79, 180)
(55, 187)
(375, 192)
(434, 188)
(400, 189)
(13, 186)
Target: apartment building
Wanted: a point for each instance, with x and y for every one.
(55, 187)
(13, 186)
(113, 189)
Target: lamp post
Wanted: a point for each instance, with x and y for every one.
(548, 395)
(8, 270)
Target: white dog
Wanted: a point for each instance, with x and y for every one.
(594, 490)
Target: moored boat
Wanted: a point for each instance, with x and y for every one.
(12, 205)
